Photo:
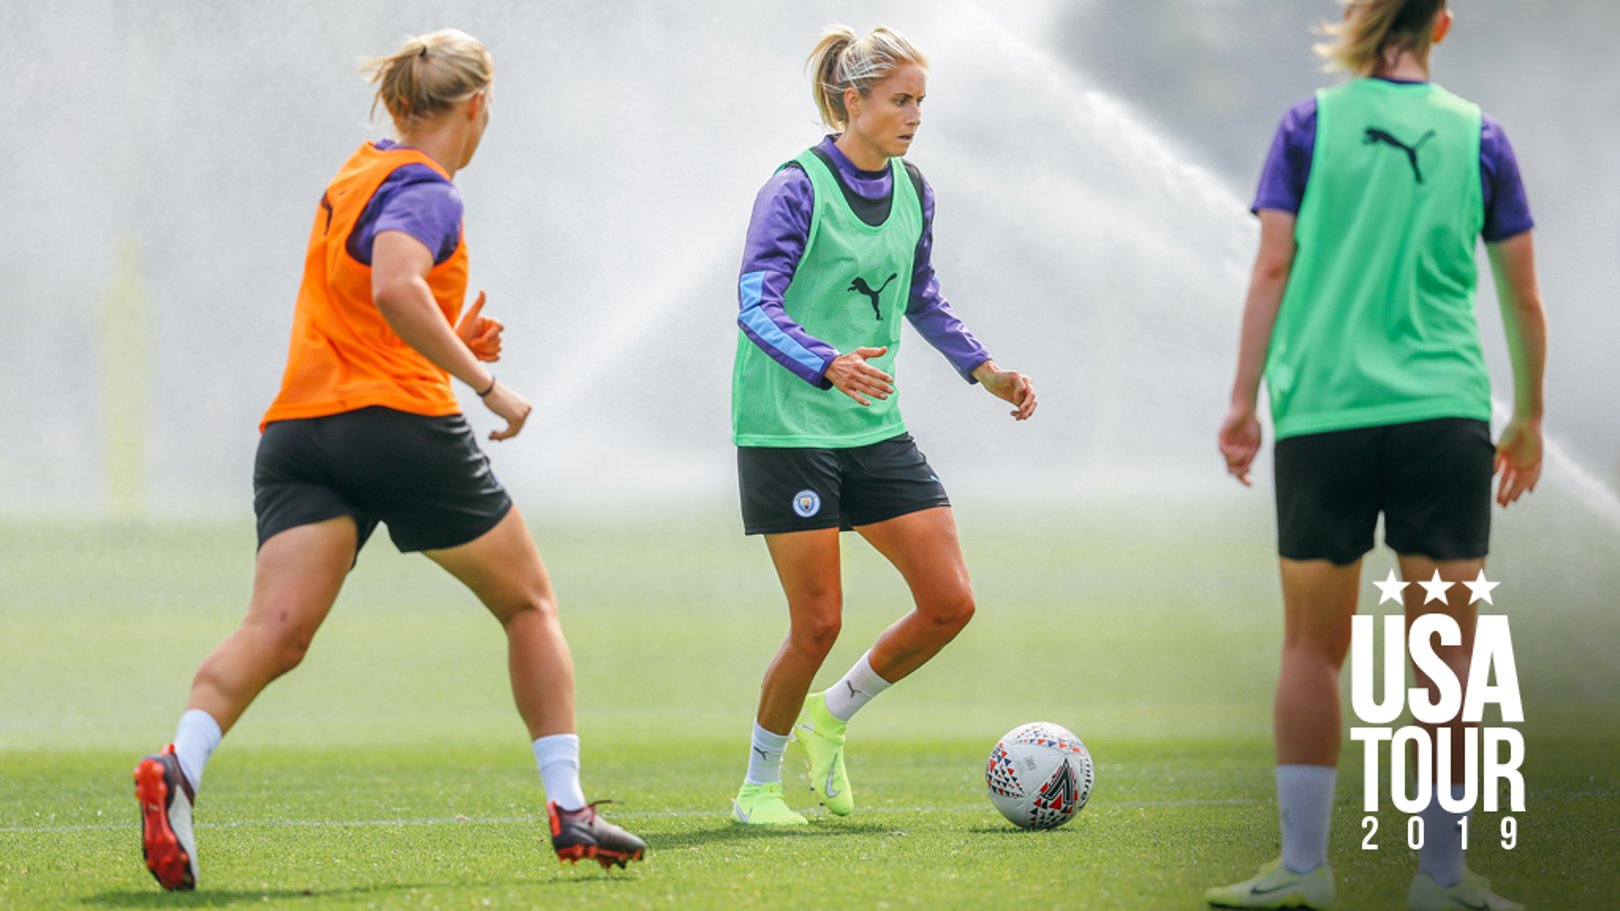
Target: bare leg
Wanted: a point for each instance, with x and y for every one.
(1319, 599)
(297, 575)
(807, 563)
(503, 568)
(296, 578)
(923, 546)
(1442, 856)
(1457, 657)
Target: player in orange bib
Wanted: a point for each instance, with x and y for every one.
(366, 429)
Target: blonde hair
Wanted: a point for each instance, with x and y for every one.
(428, 75)
(1373, 31)
(841, 60)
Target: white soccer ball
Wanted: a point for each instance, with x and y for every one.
(1039, 775)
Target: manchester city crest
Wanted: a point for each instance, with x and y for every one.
(806, 503)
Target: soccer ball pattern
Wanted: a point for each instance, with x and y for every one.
(1039, 775)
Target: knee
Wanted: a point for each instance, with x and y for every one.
(288, 643)
(538, 604)
(952, 613)
(815, 634)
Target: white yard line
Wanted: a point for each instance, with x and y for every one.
(719, 813)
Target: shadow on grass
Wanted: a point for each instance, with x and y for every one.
(222, 898)
(728, 831)
(1012, 832)
(597, 875)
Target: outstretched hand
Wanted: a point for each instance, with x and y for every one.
(1240, 441)
(1010, 385)
(853, 376)
(481, 334)
(1518, 458)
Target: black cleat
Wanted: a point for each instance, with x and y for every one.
(581, 833)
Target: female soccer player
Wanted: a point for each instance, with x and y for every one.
(1361, 310)
(838, 250)
(366, 429)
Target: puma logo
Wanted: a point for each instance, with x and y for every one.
(326, 205)
(763, 754)
(1375, 135)
(853, 692)
(859, 284)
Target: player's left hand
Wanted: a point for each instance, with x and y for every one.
(1518, 458)
(1010, 385)
(481, 334)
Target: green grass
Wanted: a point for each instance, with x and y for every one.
(391, 771)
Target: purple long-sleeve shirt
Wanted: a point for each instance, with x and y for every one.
(1288, 168)
(777, 235)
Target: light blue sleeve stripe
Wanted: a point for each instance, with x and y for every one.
(750, 287)
(766, 329)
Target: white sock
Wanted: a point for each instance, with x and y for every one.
(1305, 797)
(858, 687)
(194, 741)
(557, 755)
(765, 756)
(1442, 853)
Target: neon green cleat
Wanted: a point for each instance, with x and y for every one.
(762, 805)
(822, 737)
(1276, 886)
(1472, 893)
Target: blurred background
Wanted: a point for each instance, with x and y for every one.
(1093, 161)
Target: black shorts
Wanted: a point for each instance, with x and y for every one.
(1430, 479)
(424, 477)
(799, 489)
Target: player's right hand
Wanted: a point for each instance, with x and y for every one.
(509, 405)
(1240, 441)
(853, 376)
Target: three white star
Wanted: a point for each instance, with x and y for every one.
(1435, 588)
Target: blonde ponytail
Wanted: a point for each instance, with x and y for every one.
(1373, 31)
(841, 60)
(428, 75)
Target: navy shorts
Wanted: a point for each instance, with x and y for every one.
(423, 477)
(798, 489)
(1430, 479)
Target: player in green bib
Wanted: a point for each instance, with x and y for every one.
(838, 254)
(1360, 317)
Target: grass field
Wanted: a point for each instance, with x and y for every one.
(391, 771)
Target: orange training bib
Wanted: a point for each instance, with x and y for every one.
(343, 355)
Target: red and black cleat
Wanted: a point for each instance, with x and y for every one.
(166, 840)
(579, 834)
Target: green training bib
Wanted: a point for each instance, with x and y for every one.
(1377, 322)
(850, 290)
